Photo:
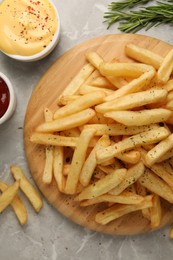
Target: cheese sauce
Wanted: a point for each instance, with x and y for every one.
(26, 26)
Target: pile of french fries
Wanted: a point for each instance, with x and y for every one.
(10, 197)
(110, 140)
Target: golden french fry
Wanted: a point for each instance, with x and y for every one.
(102, 186)
(148, 137)
(143, 55)
(8, 195)
(81, 103)
(48, 169)
(91, 162)
(169, 85)
(142, 191)
(133, 100)
(132, 175)
(68, 122)
(58, 167)
(114, 212)
(158, 151)
(141, 117)
(95, 59)
(131, 157)
(156, 212)
(78, 80)
(78, 160)
(48, 115)
(119, 129)
(101, 82)
(117, 69)
(86, 89)
(65, 100)
(52, 139)
(159, 169)
(153, 183)
(135, 85)
(17, 205)
(165, 69)
(124, 198)
(27, 188)
(73, 132)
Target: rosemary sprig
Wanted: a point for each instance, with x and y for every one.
(119, 6)
(145, 17)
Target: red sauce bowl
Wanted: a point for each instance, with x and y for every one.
(7, 99)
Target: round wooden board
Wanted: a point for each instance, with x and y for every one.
(45, 95)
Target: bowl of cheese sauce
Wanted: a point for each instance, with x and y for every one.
(29, 29)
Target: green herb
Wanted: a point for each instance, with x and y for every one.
(145, 17)
(119, 6)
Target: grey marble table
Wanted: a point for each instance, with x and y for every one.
(49, 235)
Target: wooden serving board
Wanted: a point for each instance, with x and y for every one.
(45, 95)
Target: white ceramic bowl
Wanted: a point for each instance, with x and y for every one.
(47, 50)
(12, 100)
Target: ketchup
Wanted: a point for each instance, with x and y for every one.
(4, 97)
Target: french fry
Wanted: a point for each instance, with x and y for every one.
(48, 115)
(52, 139)
(95, 59)
(156, 212)
(165, 69)
(143, 55)
(91, 162)
(73, 132)
(119, 129)
(8, 195)
(27, 188)
(142, 191)
(117, 211)
(48, 169)
(77, 81)
(131, 157)
(83, 102)
(86, 89)
(101, 82)
(133, 100)
(156, 153)
(169, 85)
(135, 85)
(17, 205)
(58, 167)
(158, 169)
(129, 143)
(78, 160)
(139, 118)
(117, 69)
(65, 100)
(124, 198)
(132, 175)
(153, 183)
(102, 186)
(68, 122)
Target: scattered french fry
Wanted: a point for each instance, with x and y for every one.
(156, 212)
(17, 205)
(27, 188)
(8, 195)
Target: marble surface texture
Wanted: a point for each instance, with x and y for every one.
(49, 235)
